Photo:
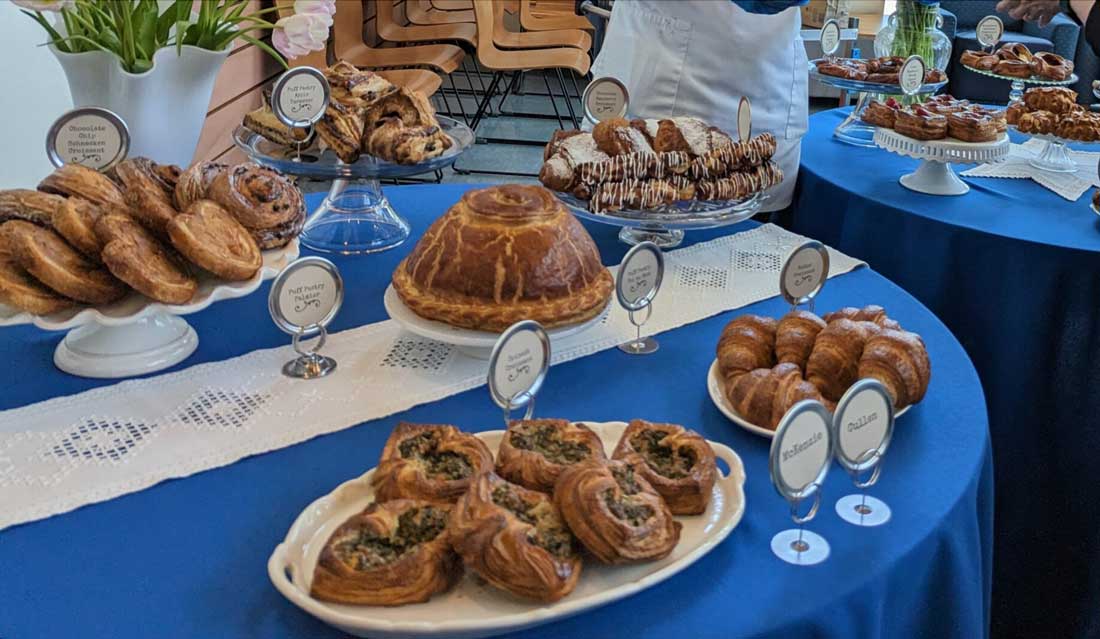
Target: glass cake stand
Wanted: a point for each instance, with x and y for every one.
(853, 130)
(665, 225)
(934, 175)
(1016, 93)
(355, 218)
(1054, 156)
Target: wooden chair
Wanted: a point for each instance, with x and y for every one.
(507, 39)
(390, 31)
(421, 12)
(549, 16)
(453, 5)
(350, 46)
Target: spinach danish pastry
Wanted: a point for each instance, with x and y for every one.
(434, 462)
(534, 452)
(678, 462)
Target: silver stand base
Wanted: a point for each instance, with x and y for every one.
(309, 367)
(863, 510)
(800, 547)
(644, 346)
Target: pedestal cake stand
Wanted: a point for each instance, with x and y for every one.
(934, 175)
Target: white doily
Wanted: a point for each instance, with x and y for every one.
(1068, 185)
(66, 452)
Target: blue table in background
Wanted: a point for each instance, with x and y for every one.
(1014, 271)
(187, 558)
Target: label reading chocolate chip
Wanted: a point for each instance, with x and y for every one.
(863, 425)
(744, 119)
(801, 450)
(804, 273)
(830, 37)
(306, 295)
(91, 136)
(518, 364)
(911, 76)
(989, 31)
(300, 97)
(604, 99)
(640, 276)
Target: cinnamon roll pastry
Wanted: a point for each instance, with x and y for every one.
(747, 343)
(615, 513)
(194, 184)
(50, 260)
(616, 137)
(834, 362)
(35, 207)
(677, 462)
(74, 180)
(1054, 99)
(356, 88)
(900, 361)
(20, 290)
(515, 539)
(341, 129)
(795, 336)
(534, 452)
(391, 554)
(259, 197)
(431, 462)
(149, 203)
(279, 236)
(135, 256)
(75, 220)
(764, 396)
(211, 238)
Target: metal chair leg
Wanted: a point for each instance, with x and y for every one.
(554, 101)
(461, 107)
(568, 100)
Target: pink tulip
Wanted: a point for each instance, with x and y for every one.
(295, 36)
(320, 7)
(46, 5)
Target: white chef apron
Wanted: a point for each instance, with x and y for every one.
(698, 57)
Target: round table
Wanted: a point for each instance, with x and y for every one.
(1014, 270)
(186, 558)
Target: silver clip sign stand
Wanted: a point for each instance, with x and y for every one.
(801, 453)
(744, 119)
(605, 98)
(989, 31)
(911, 75)
(304, 298)
(90, 136)
(640, 276)
(299, 99)
(518, 367)
(830, 37)
(863, 425)
(804, 274)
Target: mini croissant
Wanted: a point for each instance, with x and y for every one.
(747, 343)
(764, 396)
(795, 337)
(899, 360)
(834, 363)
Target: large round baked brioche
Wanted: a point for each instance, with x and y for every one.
(501, 255)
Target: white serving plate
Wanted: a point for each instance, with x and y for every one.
(471, 609)
(717, 395)
(477, 344)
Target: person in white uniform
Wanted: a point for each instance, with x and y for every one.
(698, 57)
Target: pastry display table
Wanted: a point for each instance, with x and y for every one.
(188, 557)
(1012, 269)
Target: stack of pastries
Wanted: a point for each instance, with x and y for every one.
(1015, 60)
(519, 522)
(940, 117)
(768, 366)
(882, 70)
(1054, 111)
(85, 237)
(643, 164)
(366, 114)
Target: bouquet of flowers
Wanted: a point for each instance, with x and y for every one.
(133, 30)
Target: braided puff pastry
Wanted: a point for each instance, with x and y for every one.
(834, 363)
(515, 539)
(677, 462)
(393, 553)
(433, 462)
(80, 181)
(764, 396)
(615, 513)
(504, 254)
(795, 336)
(747, 343)
(900, 361)
(257, 196)
(535, 452)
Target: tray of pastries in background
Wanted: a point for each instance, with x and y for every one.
(938, 118)
(1016, 61)
(652, 165)
(882, 71)
(502, 530)
(1054, 112)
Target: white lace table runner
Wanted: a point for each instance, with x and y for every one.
(1069, 185)
(66, 452)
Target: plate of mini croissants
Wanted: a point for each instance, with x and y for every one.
(765, 366)
(502, 530)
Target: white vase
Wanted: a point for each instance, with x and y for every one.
(164, 107)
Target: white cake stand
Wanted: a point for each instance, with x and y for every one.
(136, 335)
(934, 175)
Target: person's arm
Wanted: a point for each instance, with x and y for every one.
(1090, 21)
(768, 6)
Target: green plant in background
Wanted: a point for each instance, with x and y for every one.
(915, 21)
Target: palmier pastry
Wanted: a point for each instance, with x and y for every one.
(264, 122)
(1041, 122)
(764, 396)
(503, 254)
(881, 113)
(35, 207)
(213, 239)
(616, 137)
(21, 291)
(920, 123)
(149, 204)
(1013, 68)
(1054, 99)
(75, 220)
(676, 461)
(900, 361)
(615, 513)
(257, 196)
(1051, 66)
(134, 256)
(747, 343)
(870, 313)
(43, 254)
(356, 88)
(795, 336)
(194, 183)
(834, 363)
(341, 129)
(80, 181)
(393, 553)
(534, 452)
(515, 539)
(972, 127)
(433, 462)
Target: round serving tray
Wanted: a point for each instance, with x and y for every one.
(934, 175)
(477, 344)
(472, 609)
(718, 396)
(1032, 80)
(867, 87)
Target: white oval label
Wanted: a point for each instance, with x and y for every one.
(604, 99)
(300, 97)
(803, 444)
(93, 137)
(911, 76)
(640, 276)
(307, 295)
(744, 119)
(989, 31)
(518, 364)
(830, 37)
(863, 423)
(804, 273)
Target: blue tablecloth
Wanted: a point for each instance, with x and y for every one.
(1014, 270)
(187, 558)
